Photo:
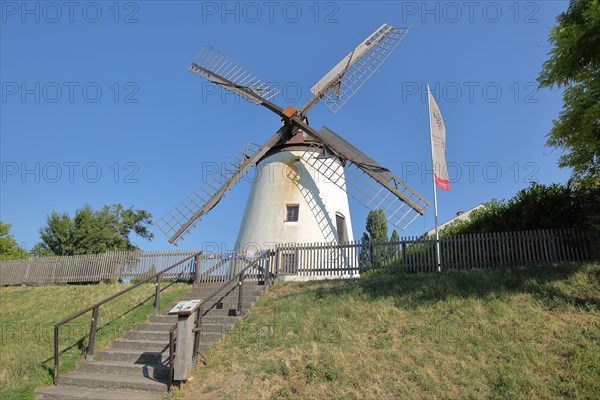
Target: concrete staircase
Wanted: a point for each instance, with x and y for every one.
(135, 367)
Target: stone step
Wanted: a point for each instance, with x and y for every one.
(198, 293)
(155, 371)
(147, 335)
(132, 356)
(219, 319)
(216, 328)
(224, 312)
(112, 381)
(155, 327)
(232, 288)
(211, 312)
(172, 319)
(203, 347)
(217, 285)
(163, 321)
(67, 392)
(211, 337)
(232, 298)
(146, 345)
(230, 304)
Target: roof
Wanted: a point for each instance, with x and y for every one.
(461, 215)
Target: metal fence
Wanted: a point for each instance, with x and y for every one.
(317, 259)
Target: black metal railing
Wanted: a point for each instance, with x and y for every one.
(267, 273)
(172, 337)
(95, 308)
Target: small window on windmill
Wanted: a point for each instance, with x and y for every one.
(288, 263)
(292, 212)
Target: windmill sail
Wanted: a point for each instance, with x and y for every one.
(182, 218)
(339, 84)
(368, 182)
(216, 67)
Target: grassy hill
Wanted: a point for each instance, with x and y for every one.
(498, 334)
(27, 316)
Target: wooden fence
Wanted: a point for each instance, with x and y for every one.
(419, 254)
(317, 259)
(122, 266)
(221, 267)
(125, 267)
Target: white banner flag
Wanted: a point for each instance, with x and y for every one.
(438, 144)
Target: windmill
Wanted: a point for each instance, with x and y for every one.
(303, 175)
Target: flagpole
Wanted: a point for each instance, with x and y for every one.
(435, 209)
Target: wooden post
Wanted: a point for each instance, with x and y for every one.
(28, 268)
(185, 337)
(197, 268)
(186, 345)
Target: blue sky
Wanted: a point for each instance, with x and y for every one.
(97, 105)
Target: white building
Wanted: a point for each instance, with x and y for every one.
(460, 216)
(292, 202)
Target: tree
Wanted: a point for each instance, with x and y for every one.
(95, 231)
(377, 226)
(575, 65)
(539, 206)
(395, 244)
(9, 249)
(374, 250)
(41, 250)
(395, 238)
(365, 251)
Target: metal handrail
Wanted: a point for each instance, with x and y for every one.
(171, 356)
(95, 309)
(240, 277)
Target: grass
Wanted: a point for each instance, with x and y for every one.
(516, 333)
(27, 316)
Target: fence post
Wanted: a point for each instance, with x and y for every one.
(93, 327)
(197, 266)
(27, 269)
(404, 255)
(268, 268)
(276, 269)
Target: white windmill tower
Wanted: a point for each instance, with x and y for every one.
(303, 176)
